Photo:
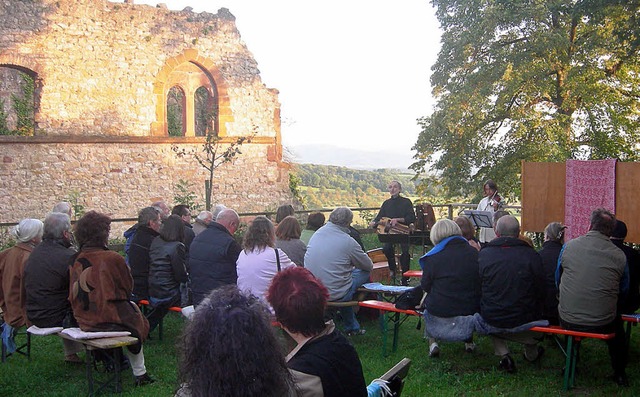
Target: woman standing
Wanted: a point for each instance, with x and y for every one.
(167, 269)
(28, 234)
(259, 261)
(288, 240)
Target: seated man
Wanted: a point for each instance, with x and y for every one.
(591, 277)
(149, 223)
(339, 262)
(512, 291)
(631, 302)
(46, 281)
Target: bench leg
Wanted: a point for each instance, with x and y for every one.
(570, 362)
(88, 364)
(396, 329)
(383, 327)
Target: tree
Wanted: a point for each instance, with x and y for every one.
(214, 153)
(530, 80)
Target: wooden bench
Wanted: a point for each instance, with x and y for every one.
(394, 317)
(111, 347)
(571, 349)
(145, 305)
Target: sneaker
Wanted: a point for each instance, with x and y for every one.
(356, 332)
(434, 350)
(507, 364)
(538, 356)
(143, 379)
(469, 347)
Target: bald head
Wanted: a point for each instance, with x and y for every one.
(508, 226)
(229, 219)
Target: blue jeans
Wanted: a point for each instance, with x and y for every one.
(358, 278)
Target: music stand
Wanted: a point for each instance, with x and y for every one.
(479, 218)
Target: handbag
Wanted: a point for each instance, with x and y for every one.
(410, 299)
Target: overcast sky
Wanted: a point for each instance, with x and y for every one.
(351, 73)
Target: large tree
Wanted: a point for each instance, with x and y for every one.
(536, 80)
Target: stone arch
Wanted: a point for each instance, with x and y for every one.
(32, 70)
(210, 74)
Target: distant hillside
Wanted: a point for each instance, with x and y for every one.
(351, 158)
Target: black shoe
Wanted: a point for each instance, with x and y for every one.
(538, 357)
(144, 379)
(357, 332)
(620, 379)
(507, 364)
(405, 281)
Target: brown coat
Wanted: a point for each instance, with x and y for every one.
(12, 294)
(100, 294)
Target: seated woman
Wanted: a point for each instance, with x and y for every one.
(468, 231)
(551, 247)
(323, 363)
(314, 222)
(100, 290)
(451, 280)
(229, 348)
(28, 234)
(284, 211)
(259, 261)
(288, 240)
(167, 269)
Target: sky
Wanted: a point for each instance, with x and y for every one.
(351, 73)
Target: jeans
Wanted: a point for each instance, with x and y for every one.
(358, 278)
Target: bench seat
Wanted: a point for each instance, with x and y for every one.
(394, 317)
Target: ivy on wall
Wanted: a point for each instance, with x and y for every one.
(23, 106)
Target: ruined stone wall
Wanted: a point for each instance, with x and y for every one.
(102, 71)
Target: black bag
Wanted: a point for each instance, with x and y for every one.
(410, 299)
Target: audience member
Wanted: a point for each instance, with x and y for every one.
(167, 270)
(284, 211)
(213, 256)
(28, 234)
(591, 277)
(451, 280)
(203, 220)
(229, 348)
(400, 210)
(130, 233)
(288, 240)
(512, 291)
(162, 208)
(332, 255)
(259, 261)
(101, 287)
(314, 222)
(631, 302)
(217, 210)
(551, 247)
(64, 207)
(468, 232)
(46, 281)
(148, 226)
(323, 363)
(184, 213)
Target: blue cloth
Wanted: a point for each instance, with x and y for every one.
(374, 390)
(386, 288)
(439, 247)
(451, 329)
(483, 328)
(8, 338)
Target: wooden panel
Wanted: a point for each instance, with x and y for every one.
(628, 198)
(543, 186)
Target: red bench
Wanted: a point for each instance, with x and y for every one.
(143, 303)
(394, 318)
(571, 349)
(413, 273)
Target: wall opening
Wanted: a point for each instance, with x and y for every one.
(17, 100)
(176, 107)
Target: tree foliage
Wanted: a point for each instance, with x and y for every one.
(535, 80)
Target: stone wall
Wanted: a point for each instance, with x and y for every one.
(102, 72)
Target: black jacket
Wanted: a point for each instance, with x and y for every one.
(212, 261)
(139, 261)
(167, 269)
(46, 282)
(631, 302)
(451, 280)
(549, 253)
(512, 283)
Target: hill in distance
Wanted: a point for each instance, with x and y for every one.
(350, 158)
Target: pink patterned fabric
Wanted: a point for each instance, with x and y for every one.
(589, 185)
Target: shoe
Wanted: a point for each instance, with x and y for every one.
(538, 356)
(469, 347)
(507, 364)
(143, 379)
(405, 282)
(434, 350)
(73, 359)
(620, 379)
(360, 331)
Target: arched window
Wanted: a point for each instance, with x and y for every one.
(205, 112)
(176, 125)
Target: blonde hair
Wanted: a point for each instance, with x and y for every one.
(442, 229)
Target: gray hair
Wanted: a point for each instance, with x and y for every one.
(508, 226)
(55, 224)
(341, 216)
(63, 207)
(204, 215)
(554, 232)
(147, 214)
(27, 230)
(442, 229)
(217, 210)
(227, 216)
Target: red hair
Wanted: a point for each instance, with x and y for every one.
(299, 300)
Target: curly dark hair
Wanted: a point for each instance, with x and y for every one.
(229, 348)
(260, 235)
(92, 230)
